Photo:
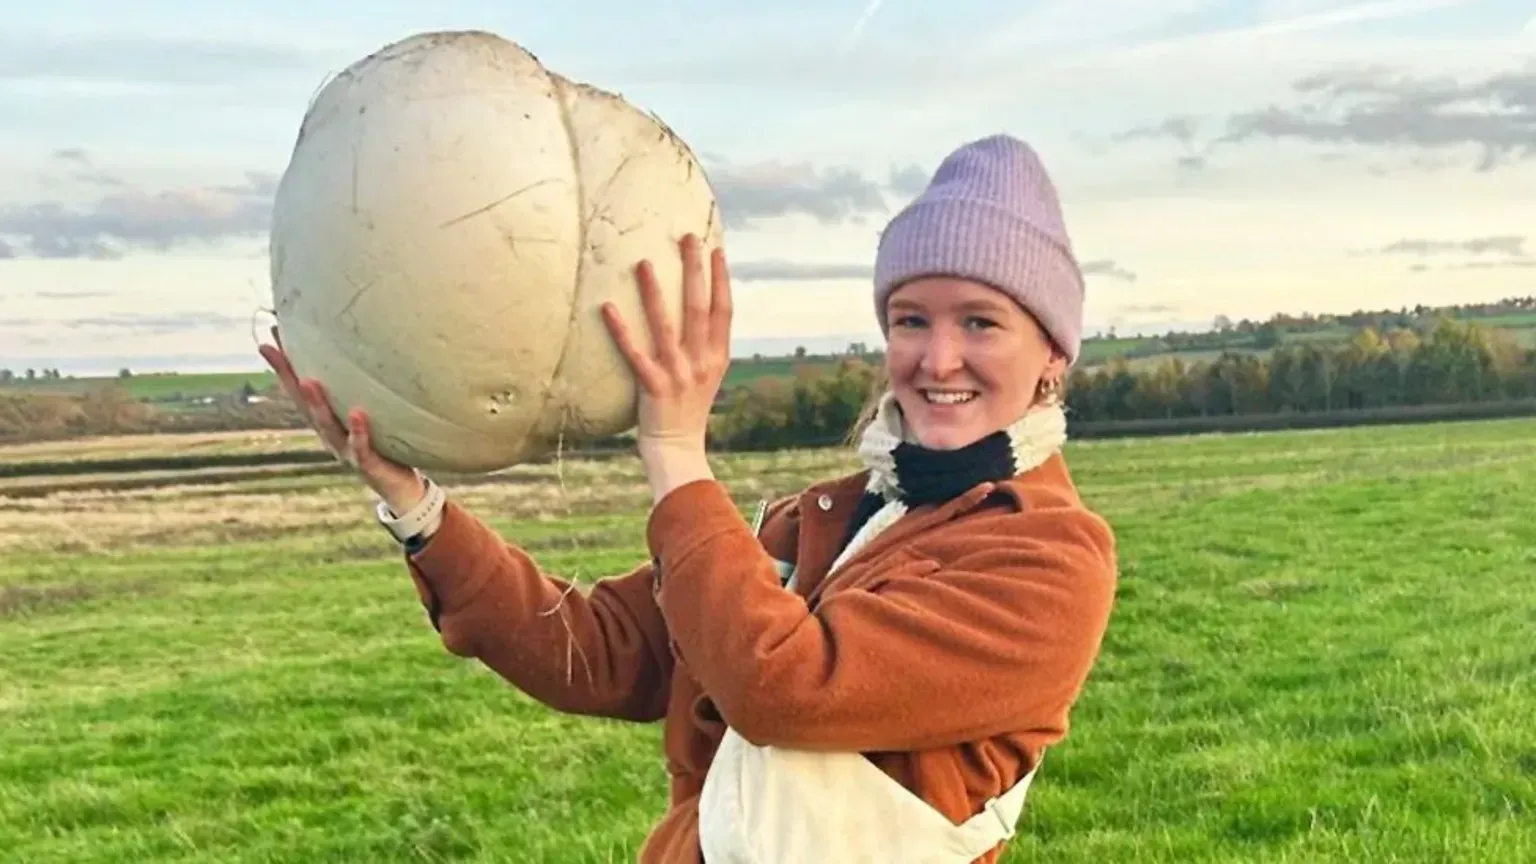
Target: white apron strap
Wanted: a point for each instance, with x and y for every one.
(997, 820)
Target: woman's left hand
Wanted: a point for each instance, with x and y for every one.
(679, 379)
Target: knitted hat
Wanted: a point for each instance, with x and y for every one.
(989, 214)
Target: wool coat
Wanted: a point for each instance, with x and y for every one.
(949, 650)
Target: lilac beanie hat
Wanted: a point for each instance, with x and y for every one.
(990, 214)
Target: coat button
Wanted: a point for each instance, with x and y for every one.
(824, 502)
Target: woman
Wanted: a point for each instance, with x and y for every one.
(875, 671)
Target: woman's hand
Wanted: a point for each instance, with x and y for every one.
(679, 378)
(401, 487)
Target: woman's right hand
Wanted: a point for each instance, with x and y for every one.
(401, 486)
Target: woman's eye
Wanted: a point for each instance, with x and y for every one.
(979, 323)
(909, 321)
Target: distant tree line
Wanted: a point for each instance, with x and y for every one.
(1456, 362)
(28, 375)
(1442, 362)
(1452, 363)
(1264, 335)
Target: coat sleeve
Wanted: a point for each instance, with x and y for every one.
(998, 639)
(603, 652)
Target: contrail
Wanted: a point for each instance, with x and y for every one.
(858, 27)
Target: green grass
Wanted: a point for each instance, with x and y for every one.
(159, 386)
(745, 370)
(1323, 651)
(1103, 350)
(1514, 320)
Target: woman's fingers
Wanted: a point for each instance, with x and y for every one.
(278, 360)
(642, 365)
(663, 332)
(360, 440)
(705, 333)
(696, 299)
(324, 419)
(720, 309)
(308, 396)
(378, 470)
(352, 441)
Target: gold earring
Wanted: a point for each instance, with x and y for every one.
(1049, 391)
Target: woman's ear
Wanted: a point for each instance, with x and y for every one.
(1056, 367)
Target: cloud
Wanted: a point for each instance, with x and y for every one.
(1500, 252)
(790, 271)
(138, 325)
(1143, 310)
(909, 181)
(125, 218)
(79, 168)
(1507, 244)
(1512, 264)
(1279, 21)
(767, 190)
(1183, 129)
(870, 9)
(1374, 107)
(1106, 267)
(199, 63)
(71, 295)
(1521, 263)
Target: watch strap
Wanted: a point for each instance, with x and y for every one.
(420, 519)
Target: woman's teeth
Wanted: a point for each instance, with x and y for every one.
(949, 397)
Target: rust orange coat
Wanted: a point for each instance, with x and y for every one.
(949, 650)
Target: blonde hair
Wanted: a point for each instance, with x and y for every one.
(877, 390)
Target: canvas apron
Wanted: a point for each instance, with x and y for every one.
(771, 805)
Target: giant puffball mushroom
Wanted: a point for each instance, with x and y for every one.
(451, 219)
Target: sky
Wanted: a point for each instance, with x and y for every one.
(1214, 157)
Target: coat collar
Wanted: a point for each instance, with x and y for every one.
(816, 520)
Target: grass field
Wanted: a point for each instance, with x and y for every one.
(159, 387)
(1323, 651)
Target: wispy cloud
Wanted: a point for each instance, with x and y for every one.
(144, 60)
(1492, 252)
(141, 325)
(767, 190)
(870, 10)
(1109, 268)
(126, 218)
(1378, 108)
(1506, 244)
(777, 270)
(1063, 28)
(1283, 20)
(794, 271)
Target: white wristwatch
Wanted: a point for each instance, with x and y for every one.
(420, 519)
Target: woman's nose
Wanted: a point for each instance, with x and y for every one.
(943, 355)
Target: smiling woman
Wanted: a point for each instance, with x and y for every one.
(874, 670)
(963, 360)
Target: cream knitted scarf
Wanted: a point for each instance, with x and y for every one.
(904, 474)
